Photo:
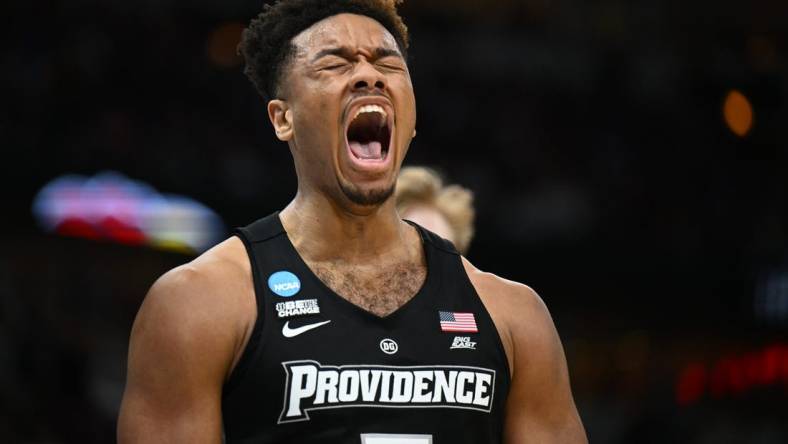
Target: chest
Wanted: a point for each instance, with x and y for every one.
(377, 288)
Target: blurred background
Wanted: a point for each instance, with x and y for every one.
(629, 162)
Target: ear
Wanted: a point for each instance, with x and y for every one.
(282, 118)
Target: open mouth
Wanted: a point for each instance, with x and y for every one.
(368, 134)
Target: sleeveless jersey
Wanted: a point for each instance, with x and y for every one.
(319, 369)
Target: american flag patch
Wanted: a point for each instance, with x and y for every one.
(453, 321)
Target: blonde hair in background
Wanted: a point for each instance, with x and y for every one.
(423, 186)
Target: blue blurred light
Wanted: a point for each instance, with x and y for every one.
(109, 205)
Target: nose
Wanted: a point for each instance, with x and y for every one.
(367, 78)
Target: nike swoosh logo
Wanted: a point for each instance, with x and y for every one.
(292, 332)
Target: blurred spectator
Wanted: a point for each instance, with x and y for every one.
(446, 210)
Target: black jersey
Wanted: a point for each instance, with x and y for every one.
(319, 369)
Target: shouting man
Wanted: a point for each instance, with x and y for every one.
(335, 321)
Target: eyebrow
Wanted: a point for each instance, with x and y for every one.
(347, 53)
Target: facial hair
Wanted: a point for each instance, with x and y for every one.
(372, 197)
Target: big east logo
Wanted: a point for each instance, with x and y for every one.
(313, 386)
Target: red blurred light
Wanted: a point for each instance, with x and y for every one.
(691, 384)
(77, 227)
(718, 385)
(122, 232)
(733, 374)
(784, 365)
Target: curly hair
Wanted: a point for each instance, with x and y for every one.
(267, 46)
(424, 186)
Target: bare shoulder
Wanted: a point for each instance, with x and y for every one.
(519, 313)
(505, 298)
(226, 260)
(206, 303)
(213, 280)
(502, 291)
(189, 330)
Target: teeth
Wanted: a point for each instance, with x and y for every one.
(370, 109)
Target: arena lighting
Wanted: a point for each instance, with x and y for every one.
(733, 375)
(114, 207)
(222, 45)
(737, 112)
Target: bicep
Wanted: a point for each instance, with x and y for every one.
(177, 362)
(540, 408)
(144, 418)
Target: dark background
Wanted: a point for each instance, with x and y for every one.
(592, 133)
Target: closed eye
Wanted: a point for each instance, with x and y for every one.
(334, 67)
(390, 64)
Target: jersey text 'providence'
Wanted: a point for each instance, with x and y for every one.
(319, 369)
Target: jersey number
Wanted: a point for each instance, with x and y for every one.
(385, 438)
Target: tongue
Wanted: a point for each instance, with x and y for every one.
(368, 150)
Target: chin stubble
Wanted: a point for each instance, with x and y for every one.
(368, 197)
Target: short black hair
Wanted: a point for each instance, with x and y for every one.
(267, 47)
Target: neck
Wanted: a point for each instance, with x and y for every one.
(322, 230)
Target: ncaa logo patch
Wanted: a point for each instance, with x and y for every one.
(284, 283)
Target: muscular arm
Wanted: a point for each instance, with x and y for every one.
(183, 345)
(540, 408)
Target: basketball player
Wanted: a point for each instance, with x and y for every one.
(447, 211)
(334, 321)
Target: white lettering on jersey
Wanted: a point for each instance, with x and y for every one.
(313, 386)
(463, 342)
(287, 286)
(297, 308)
